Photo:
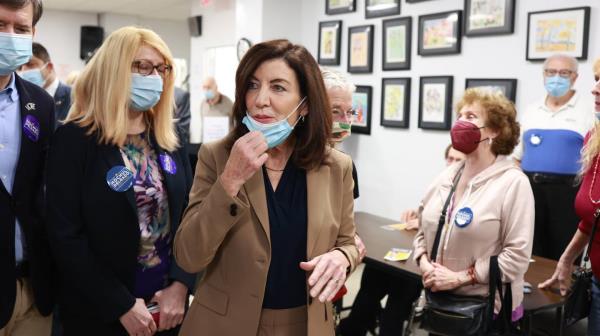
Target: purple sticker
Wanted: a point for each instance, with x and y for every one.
(31, 128)
(168, 164)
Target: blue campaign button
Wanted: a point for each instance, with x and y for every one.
(167, 163)
(119, 178)
(463, 217)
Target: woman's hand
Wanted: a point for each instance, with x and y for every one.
(138, 321)
(328, 274)
(562, 275)
(408, 215)
(412, 224)
(425, 265)
(248, 154)
(362, 249)
(171, 302)
(440, 278)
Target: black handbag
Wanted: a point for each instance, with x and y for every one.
(578, 302)
(445, 313)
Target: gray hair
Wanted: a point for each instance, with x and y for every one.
(570, 59)
(335, 79)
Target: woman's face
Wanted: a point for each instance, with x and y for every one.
(148, 61)
(596, 91)
(273, 93)
(475, 114)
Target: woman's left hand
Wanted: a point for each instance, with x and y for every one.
(441, 278)
(328, 274)
(171, 302)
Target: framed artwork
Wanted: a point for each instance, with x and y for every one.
(360, 49)
(435, 102)
(377, 8)
(413, 1)
(506, 86)
(361, 103)
(440, 33)
(396, 43)
(489, 17)
(564, 31)
(330, 38)
(395, 102)
(333, 7)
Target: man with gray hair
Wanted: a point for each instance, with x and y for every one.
(553, 130)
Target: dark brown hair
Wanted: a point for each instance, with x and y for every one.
(40, 52)
(312, 134)
(38, 9)
(500, 116)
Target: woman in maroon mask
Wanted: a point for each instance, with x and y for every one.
(490, 213)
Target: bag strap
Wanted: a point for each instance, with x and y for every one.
(442, 220)
(589, 247)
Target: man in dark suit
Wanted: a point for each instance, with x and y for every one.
(40, 71)
(26, 123)
(182, 114)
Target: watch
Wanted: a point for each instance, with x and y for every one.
(242, 46)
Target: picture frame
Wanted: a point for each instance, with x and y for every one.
(415, 1)
(361, 103)
(330, 38)
(395, 102)
(440, 33)
(565, 31)
(334, 7)
(435, 102)
(489, 17)
(379, 8)
(360, 49)
(396, 40)
(507, 86)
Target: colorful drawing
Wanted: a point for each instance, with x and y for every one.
(394, 102)
(361, 106)
(487, 14)
(328, 38)
(434, 102)
(360, 49)
(438, 33)
(396, 41)
(493, 89)
(556, 35)
(333, 4)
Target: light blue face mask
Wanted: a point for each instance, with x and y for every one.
(15, 50)
(145, 91)
(35, 76)
(597, 115)
(209, 94)
(557, 86)
(275, 133)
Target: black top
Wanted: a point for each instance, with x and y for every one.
(286, 281)
(355, 178)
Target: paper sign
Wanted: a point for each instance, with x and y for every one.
(398, 254)
(214, 128)
(397, 227)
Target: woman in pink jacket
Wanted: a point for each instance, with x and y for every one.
(491, 212)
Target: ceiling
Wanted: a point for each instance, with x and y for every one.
(160, 9)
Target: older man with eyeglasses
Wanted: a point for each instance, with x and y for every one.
(553, 130)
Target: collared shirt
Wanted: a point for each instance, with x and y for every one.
(551, 141)
(10, 146)
(51, 89)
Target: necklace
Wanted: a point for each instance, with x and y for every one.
(271, 169)
(594, 181)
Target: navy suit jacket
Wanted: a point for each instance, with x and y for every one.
(62, 102)
(94, 231)
(26, 204)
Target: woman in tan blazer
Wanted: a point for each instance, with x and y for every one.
(270, 217)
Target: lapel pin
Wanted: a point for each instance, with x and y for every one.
(30, 106)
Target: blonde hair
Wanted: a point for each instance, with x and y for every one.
(102, 94)
(592, 148)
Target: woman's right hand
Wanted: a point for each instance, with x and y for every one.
(408, 215)
(425, 265)
(138, 321)
(562, 275)
(248, 154)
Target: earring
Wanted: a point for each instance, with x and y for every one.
(301, 119)
(490, 141)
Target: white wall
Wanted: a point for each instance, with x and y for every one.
(394, 165)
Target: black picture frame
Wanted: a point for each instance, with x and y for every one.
(437, 114)
(508, 85)
(475, 23)
(415, 1)
(581, 45)
(452, 43)
(324, 55)
(390, 63)
(402, 119)
(378, 10)
(330, 10)
(363, 95)
(363, 58)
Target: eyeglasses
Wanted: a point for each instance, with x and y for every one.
(146, 68)
(562, 73)
(349, 114)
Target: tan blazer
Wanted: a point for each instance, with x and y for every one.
(229, 239)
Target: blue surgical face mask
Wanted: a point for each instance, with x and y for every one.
(275, 133)
(145, 91)
(557, 86)
(209, 94)
(35, 76)
(597, 115)
(15, 50)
